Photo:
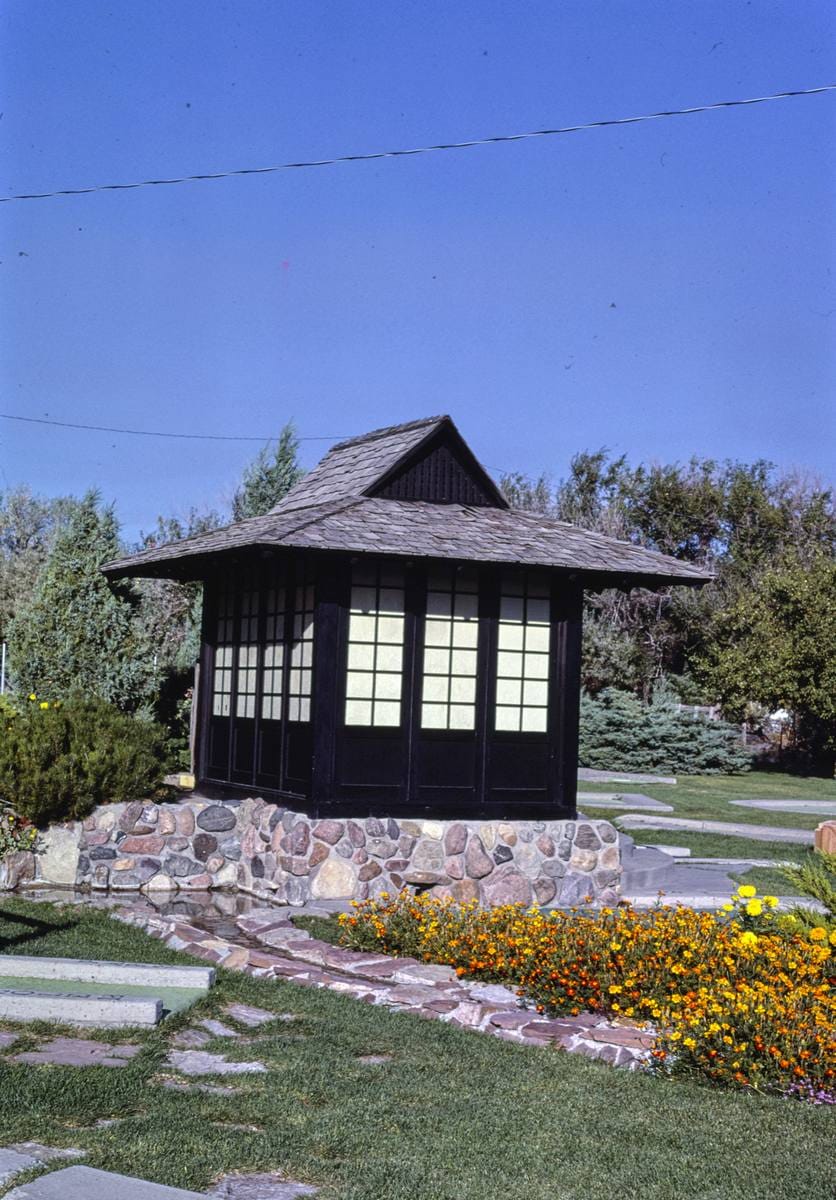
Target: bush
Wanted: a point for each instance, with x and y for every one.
(58, 761)
(731, 1005)
(619, 733)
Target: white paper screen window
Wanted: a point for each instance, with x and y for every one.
(272, 684)
(222, 682)
(523, 643)
(300, 675)
(246, 680)
(451, 639)
(374, 681)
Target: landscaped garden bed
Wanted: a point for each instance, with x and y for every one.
(375, 1105)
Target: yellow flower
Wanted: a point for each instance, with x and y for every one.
(819, 934)
(689, 1042)
(754, 908)
(44, 704)
(728, 908)
(615, 988)
(771, 901)
(748, 938)
(32, 696)
(746, 890)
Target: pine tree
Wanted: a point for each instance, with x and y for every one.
(76, 633)
(269, 477)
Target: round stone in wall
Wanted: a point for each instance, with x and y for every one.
(216, 819)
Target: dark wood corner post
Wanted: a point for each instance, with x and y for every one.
(329, 655)
(567, 625)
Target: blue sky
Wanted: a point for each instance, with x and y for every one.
(664, 290)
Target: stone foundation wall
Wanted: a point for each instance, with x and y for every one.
(270, 851)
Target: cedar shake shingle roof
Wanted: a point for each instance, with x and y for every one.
(331, 510)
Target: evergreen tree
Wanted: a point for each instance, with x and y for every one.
(269, 478)
(76, 632)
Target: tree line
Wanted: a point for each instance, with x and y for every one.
(760, 636)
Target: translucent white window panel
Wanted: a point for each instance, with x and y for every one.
(511, 637)
(438, 631)
(439, 604)
(390, 629)
(389, 658)
(536, 691)
(537, 612)
(271, 708)
(508, 691)
(358, 712)
(537, 638)
(361, 628)
(303, 625)
(391, 600)
(465, 634)
(387, 687)
(387, 713)
(363, 599)
(511, 608)
(509, 665)
(436, 688)
(462, 691)
(436, 662)
(360, 657)
(534, 720)
(462, 716)
(508, 718)
(536, 666)
(433, 716)
(360, 685)
(463, 662)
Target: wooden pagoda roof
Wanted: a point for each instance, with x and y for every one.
(336, 508)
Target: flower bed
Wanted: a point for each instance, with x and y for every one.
(737, 1005)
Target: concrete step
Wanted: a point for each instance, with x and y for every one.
(758, 833)
(74, 1009)
(642, 868)
(98, 971)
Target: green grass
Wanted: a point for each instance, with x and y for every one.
(453, 1115)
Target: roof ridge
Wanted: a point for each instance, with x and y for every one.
(388, 430)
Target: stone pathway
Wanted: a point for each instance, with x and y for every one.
(268, 945)
(757, 833)
(824, 808)
(22, 1156)
(200, 1062)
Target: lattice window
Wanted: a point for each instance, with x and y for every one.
(451, 637)
(223, 658)
(374, 684)
(247, 673)
(272, 681)
(522, 669)
(300, 678)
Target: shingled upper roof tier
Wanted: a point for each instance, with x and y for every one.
(349, 503)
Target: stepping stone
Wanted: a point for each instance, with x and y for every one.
(248, 1014)
(494, 993)
(629, 801)
(374, 1060)
(7, 1039)
(191, 1039)
(218, 1029)
(45, 1154)
(78, 1052)
(259, 1187)
(180, 1085)
(757, 833)
(200, 1062)
(590, 775)
(85, 1183)
(824, 808)
(12, 1162)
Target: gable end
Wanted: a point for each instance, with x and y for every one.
(442, 471)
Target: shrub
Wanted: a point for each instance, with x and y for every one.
(734, 1006)
(58, 761)
(618, 732)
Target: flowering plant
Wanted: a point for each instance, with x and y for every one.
(732, 1005)
(16, 833)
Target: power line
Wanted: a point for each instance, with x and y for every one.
(487, 141)
(206, 437)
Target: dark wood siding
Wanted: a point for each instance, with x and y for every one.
(444, 472)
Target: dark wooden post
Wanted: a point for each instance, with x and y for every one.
(329, 637)
(567, 617)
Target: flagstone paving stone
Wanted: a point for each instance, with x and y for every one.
(757, 833)
(260, 1187)
(201, 1062)
(85, 1183)
(78, 1052)
(248, 1014)
(825, 808)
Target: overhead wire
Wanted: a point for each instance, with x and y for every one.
(380, 154)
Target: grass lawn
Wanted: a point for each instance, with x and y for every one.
(453, 1116)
